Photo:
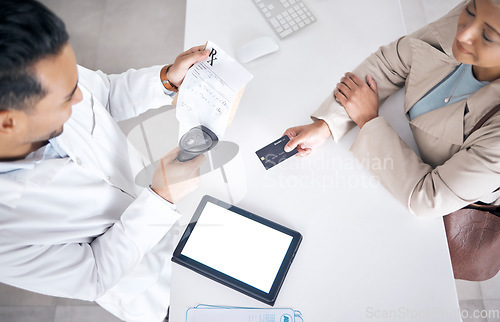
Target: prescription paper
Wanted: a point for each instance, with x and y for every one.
(210, 92)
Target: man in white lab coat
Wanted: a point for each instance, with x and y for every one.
(72, 221)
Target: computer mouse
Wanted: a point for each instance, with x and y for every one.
(257, 48)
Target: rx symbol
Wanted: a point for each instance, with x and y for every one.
(212, 55)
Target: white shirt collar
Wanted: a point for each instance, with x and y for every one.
(45, 152)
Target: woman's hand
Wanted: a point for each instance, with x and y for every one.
(359, 99)
(307, 137)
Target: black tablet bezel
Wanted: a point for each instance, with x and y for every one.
(268, 298)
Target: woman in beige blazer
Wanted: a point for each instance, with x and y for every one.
(454, 169)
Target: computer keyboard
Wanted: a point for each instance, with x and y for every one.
(285, 16)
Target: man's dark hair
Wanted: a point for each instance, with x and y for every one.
(29, 32)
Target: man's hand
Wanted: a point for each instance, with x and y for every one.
(307, 137)
(359, 99)
(173, 180)
(183, 62)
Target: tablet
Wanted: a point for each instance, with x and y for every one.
(237, 248)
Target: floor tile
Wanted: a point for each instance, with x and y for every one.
(492, 310)
(413, 14)
(83, 21)
(53, 5)
(435, 9)
(139, 34)
(61, 301)
(83, 314)
(27, 313)
(468, 290)
(491, 288)
(469, 310)
(418, 13)
(14, 296)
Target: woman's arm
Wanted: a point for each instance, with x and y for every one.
(389, 66)
(469, 175)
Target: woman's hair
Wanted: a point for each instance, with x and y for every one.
(29, 32)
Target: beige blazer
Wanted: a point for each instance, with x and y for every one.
(454, 169)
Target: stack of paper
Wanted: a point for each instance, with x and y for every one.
(208, 313)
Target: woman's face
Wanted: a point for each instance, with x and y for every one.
(478, 39)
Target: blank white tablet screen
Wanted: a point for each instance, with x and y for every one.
(237, 246)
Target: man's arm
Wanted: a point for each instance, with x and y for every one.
(133, 92)
(86, 270)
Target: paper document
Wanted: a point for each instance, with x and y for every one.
(206, 313)
(210, 92)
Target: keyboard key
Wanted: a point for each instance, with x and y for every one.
(274, 22)
(285, 16)
(286, 33)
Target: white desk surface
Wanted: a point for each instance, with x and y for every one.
(363, 256)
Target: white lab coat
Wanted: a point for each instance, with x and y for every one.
(77, 226)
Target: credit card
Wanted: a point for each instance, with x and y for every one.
(274, 153)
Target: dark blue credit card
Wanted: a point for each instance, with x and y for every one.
(274, 153)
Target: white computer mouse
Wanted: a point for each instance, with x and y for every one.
(256, 48)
